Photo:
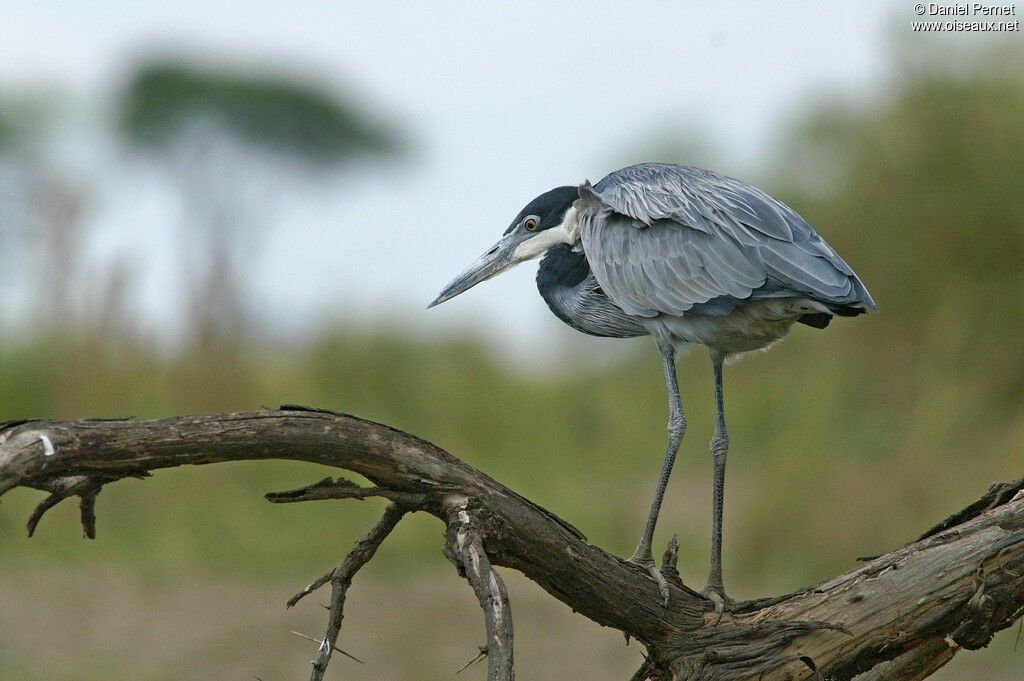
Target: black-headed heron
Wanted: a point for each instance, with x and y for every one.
(686, 256)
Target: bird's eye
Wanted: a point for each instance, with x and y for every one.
(531, 224)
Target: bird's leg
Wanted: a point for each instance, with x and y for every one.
(676, 428)
(714, 590)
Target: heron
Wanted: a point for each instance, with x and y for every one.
(686, 256)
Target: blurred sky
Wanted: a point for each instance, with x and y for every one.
(501, 101)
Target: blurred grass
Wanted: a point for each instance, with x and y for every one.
(826, 442)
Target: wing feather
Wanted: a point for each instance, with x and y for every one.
(662, 239)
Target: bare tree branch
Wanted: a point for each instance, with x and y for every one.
(464, 547)
(328, 488)
(901, 615)
(341, 580)
(60, 489)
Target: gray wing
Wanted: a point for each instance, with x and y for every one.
(671, 239)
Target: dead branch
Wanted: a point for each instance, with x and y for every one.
(900, 616)
(465, 548)
(341, 580)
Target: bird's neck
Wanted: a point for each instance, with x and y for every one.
(568, 287)
(561, 269)
(561, 266)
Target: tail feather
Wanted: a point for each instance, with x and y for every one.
(846, 310)
(819, 320)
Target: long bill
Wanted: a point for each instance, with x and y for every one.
(497, 258)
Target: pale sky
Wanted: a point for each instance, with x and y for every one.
(502, 100)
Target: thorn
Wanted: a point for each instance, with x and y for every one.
(321, 644)
(349, 656)
(626, 634)
(479, 656)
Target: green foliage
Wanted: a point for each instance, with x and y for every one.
(283, 116)
(936, 169)
(926, 203)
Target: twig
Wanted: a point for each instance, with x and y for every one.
(41, 508)
(327, 488)
(60, 489)
(87, 512)
(342, 488)
(341, 579)
(669, 561)
(997, 494)
(465, 548)
(311, 587)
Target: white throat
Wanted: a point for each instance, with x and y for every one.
(568, 232)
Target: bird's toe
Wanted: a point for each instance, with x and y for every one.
(659, 579)
(722, 603)
(647, 563)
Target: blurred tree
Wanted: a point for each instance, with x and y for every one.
(41, 210)
(10, 193)
(163, 102)
(232, 141)
(8, 132)
(923, 183)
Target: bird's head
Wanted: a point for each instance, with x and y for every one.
(539, 226)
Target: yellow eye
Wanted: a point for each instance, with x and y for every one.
(530, 224)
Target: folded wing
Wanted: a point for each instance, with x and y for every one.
(667, 239)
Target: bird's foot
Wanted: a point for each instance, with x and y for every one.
(716, 594)
(647, 563)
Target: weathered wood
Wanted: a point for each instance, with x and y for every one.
(464, 547)
(950, 590)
